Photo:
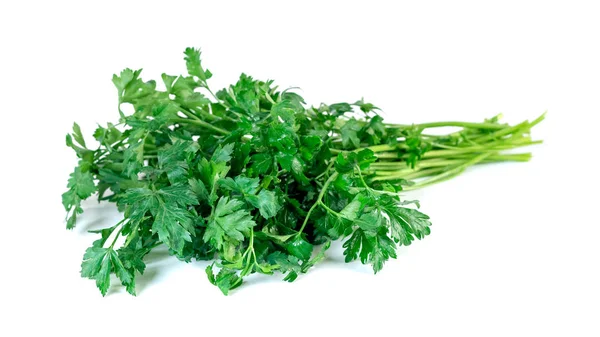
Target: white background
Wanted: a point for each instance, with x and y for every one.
(514, 247)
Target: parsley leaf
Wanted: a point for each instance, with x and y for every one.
(81, 186)
(266, 202)
(192, 61)
(370, 242)
(229, 223)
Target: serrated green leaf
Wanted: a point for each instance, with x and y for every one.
(81, 186)
(132, 257)
(168, 80)
(370, 242)
(286, 111)
(194, 67)
(299, 248)
(173, 226)
(103, 276)
(241, 184)
(168, 206)
(92, 261)
(229, 223)
(349, 132)
(405, 223)
(226, 279)
(126, 277)
(199, 189)
(266, 202)
(287, 264)
(223, 154)
(352, 210)
(78, 135)
(261, 163)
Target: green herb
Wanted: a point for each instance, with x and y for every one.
(256, 180)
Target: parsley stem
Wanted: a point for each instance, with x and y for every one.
(448, 174)
(500, 144)
(326, 170)
(249, 251)
(318, 202)
(450, 123)
(118, 233)
(363, 179)
(203, 124)
(409, 175)
(503, 132)
(269, 98)
(329, 209)
(116, 237)
(385, 168)
(439, 173)
(215, 97)
(207, 115)
(458, 151)
(395, 194)
(188, 113)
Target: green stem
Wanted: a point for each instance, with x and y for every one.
(248, 255)
(385, 167)
(117, 235)
(330, 210)
(318, 202)
(363, 179)
(326, 170)
(215, 96)
(442, 171)
(459, 151)
(451, 123)
(448, 174)
(189, 113)
(395, 194)
(498, 144)
(203, 124)
(207, 115)
(519, 128)
(411, 174)
(269, 98)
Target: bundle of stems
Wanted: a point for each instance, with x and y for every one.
(448, 155)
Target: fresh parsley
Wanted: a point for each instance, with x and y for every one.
(258, 181)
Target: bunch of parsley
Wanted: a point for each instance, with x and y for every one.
(256, 180)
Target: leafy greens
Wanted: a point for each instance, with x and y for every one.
(258, 181)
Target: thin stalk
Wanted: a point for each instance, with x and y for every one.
(492, 126)
(118, 233)
(474, 145)
(203, 124)
(442, 171)
(207, 115)
(326, 170)
(392, 170)
(116, 237)
(448, 174)
(524, 126)
(189, 113)
(330, 210)
(414, 174)
(318, 202)
(384, 167)
(459, 151)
